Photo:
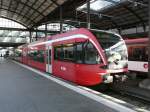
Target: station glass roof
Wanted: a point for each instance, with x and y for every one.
(98, 5)
(10, 24)
(28, 12)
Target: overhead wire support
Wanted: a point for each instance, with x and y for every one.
(46, 29)
(61, 21)
(60, 15)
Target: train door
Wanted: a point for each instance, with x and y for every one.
(63, 64)
(24, 55)
(48, 59)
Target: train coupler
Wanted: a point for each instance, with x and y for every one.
(120, 78)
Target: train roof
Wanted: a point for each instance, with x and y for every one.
(105, 31)
(69, 33)
(72, 31)
(138, 40)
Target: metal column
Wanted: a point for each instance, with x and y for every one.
(30, 35)
(88, 14)
(46, 31)
(36, 38)
(119, 30)
(61, 22)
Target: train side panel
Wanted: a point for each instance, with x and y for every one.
(36, 57)
(64, 68)
(138, 54)
(88, 74)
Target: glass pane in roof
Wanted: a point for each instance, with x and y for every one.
(98, 5)
(10, 24)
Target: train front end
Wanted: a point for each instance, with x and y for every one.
(115, 55)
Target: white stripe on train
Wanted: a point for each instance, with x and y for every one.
(61, 39)
(68, 38)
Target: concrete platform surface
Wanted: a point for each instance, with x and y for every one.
(22, 90)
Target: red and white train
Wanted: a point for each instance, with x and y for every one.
(138, 54)
(86, 57)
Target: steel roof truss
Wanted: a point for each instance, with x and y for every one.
(30, 9)
(23, 6)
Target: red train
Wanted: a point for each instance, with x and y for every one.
(86, 57)
(138, 54)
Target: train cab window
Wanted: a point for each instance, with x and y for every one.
(68, 50)
(91, 55)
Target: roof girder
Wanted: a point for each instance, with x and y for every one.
(18, 14)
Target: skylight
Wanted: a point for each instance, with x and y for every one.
(98, 5)
(10, 24)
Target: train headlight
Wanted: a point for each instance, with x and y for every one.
(107, 78)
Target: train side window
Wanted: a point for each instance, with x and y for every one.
(58, 53)
(79, 53)
(146, 54)
(40, 56)
(31, 54)
(91, 55)
(137, 54)
(68, 50)
(18, 53)
(37, 55)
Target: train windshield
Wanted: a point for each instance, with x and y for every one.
(106, 40)
(114, 48)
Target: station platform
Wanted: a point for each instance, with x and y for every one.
(23, 90)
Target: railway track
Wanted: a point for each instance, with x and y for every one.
(133, 94)
(130, 95)
(139, 103)
(127, 96)
(132, 90)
